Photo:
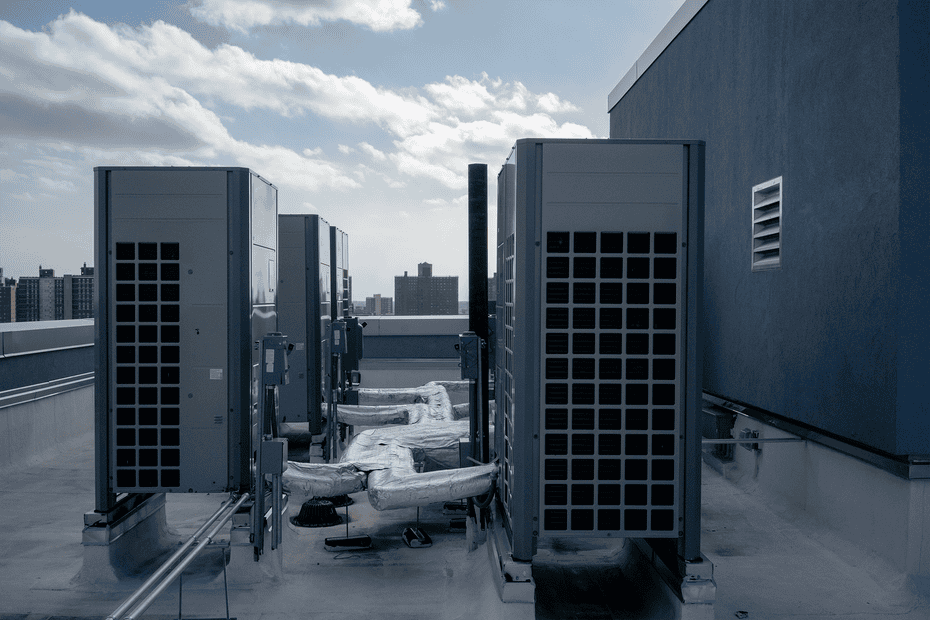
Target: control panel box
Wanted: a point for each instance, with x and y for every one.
(186, 273)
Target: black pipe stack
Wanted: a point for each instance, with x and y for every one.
(478, 301)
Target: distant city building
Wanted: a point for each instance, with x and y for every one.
(7, 298)
(426, 294)
(27, 300)
(378, 305)
(80, 291)
(50, 298)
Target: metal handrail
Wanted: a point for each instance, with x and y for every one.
(158, 574)
(754, 440)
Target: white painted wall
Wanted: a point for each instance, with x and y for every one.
(868, 506)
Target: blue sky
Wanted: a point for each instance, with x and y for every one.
(367, 112)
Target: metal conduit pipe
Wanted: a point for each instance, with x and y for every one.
(148, 600)
(754, 440)
(125, 606)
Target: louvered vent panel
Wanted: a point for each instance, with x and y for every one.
(766, 225)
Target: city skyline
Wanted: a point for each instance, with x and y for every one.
(365, 112)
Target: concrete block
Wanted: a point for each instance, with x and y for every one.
(918, 528)
(127, 551)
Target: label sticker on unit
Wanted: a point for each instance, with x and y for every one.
(299, 346)
(216, 374)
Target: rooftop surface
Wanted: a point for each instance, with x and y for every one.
(768, 564)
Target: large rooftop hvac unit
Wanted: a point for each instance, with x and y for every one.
(305, 315)
(599, 251)
(185, 266)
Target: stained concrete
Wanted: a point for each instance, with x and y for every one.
(770, 563)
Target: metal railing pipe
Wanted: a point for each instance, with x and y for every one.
(753, 440)
(151, 581)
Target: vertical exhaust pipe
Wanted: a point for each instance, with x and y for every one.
(478, 303)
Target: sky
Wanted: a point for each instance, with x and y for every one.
(366, 112)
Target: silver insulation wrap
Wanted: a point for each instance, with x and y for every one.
(416, 425)
(400, 485)
(306, 480)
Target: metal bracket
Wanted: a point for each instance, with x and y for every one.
(748, 433)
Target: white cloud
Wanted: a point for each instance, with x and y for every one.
(153, 77)
(57, 184)
(126, 94)
(437, 5)
(243, 15)
(83, 94)
(372, 151)
(7, 175)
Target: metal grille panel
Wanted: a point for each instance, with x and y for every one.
(609, 394)
(146, 375)
(507, 391)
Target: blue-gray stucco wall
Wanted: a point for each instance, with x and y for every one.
(437, 346)
(808, 91)
(22, 370)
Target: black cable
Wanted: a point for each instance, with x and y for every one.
(484, 503)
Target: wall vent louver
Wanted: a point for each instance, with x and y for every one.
(766, 225)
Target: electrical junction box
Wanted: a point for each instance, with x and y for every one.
(186, 285)
(355, 345)
(598, 385)
(305, 315)
(469, 353)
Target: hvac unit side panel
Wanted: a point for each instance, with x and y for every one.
(242, 399)
(168, 330)
(523, 325)
(104, 498)
(611, 286)
(692, 390)
(263, 226)
(295, 315)
(325, 277)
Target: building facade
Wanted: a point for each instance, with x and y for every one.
(7, 298)
(79, 294)
(378, 305)
(51, 298)
(817, 145)
(426, 294)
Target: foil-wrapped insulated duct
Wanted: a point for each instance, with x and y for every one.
(307, 480)
(401, 486)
